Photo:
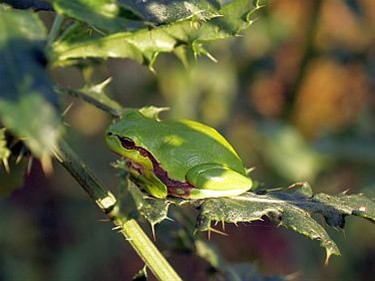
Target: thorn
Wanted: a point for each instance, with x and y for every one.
(66, 124)
(223, 224)
(296, 184)
(217, 231)
(346, 191)
(98, 30)
(29, 165)
(170, 219)
(211, 57)
(101, 86)
(117, 227)
(260, 6)
(19, 158)
(20, 155)
(104, 220)
(249, 170)
(152, 69)
(6, 165)
(328, 255)
(47, 166)
(344, 233)
(153, 231)
(67, 109)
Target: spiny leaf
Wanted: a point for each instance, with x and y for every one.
(145, 45)
(96, 94)
(116, 16)
(103, 14)
(152, 209)
(335, 208)
(161, 12)
(291, 210)
(4, 150)
(27, 101)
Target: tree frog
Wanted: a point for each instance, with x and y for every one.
(180, 158)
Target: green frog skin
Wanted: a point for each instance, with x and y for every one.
(180, 158)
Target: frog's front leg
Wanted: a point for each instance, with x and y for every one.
(149, 181)
(215, 180)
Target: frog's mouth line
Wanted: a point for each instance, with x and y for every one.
(175, 188)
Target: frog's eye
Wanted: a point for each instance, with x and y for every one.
(126, 142)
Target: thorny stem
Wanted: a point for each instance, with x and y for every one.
(106, 201)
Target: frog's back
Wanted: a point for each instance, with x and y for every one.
(179, 145)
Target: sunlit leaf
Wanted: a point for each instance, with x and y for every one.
(291, 210)
(112, 16)
(161, 12)
(145, 45)
(27, 101)
(103, 14)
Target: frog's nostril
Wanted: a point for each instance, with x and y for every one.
(109, 134)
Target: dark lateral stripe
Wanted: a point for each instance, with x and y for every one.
(171, 184)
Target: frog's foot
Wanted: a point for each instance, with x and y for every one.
(151, 184)
(215, 180)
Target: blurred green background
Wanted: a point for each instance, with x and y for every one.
(295, 97)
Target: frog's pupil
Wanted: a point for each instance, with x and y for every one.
(127, 143)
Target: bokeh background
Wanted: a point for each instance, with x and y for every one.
(295, 97)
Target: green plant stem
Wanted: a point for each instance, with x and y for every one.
(106, 201)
